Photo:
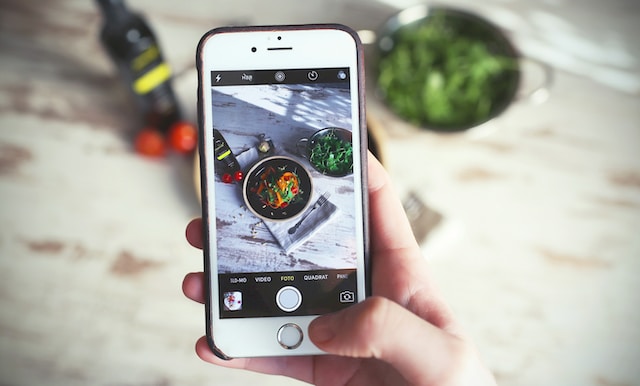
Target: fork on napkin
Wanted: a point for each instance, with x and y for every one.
(306, 225)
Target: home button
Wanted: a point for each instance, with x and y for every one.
(288, 298)
(290, 336)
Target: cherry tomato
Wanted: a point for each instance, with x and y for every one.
(150, 142)
(183, 137)
(238, 176)
(294, 190)
(226, 178)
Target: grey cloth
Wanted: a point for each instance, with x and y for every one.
(312, 220)
(247, 158)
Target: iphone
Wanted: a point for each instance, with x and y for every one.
(283, 170)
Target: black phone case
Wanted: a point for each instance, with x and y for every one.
(206, 174)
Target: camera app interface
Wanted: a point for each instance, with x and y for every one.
(285, 206)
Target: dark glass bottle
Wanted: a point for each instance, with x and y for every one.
(223, 153)
(133, 47)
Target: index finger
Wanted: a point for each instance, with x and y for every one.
(194, 233)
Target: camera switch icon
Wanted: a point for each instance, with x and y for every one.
(347, 297)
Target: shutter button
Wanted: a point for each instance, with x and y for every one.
(288, 298)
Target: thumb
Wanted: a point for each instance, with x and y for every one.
(379, 328)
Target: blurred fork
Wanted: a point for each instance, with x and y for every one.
(321, 201)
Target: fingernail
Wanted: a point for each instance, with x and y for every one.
(321, 330)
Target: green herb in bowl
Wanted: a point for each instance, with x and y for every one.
(448, 71)
(331, 154)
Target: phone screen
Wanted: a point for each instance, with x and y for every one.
(286, 206)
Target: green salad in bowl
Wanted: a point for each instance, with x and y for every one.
(446, 69)
(330, 151)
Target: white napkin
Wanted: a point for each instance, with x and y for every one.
(312, 220)
(247, 158)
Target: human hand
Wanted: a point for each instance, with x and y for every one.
(403, 335)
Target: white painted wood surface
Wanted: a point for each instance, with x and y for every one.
(538, 254)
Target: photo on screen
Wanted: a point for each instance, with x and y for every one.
(284, 184)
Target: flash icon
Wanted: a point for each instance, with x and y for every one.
(218, 77)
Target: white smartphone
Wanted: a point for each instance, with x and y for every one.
(283, 150)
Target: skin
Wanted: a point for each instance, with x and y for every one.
(404, 334)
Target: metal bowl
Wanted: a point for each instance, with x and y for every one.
(465, 25)
(309, 144)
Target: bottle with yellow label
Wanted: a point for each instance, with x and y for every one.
(132, 46)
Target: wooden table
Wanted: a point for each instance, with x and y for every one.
(538, 252)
